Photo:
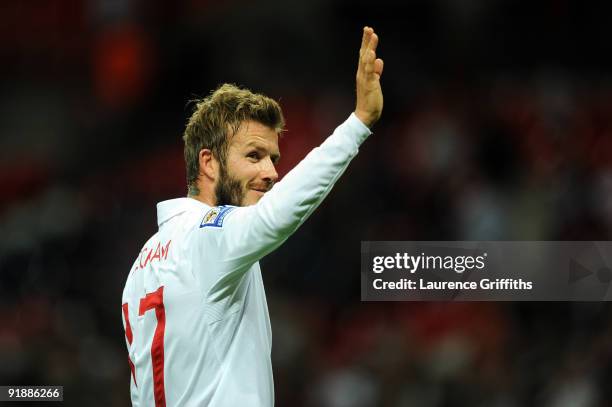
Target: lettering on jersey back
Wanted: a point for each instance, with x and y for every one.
(149, 255)
(214, 217)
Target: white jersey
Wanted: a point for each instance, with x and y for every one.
(194, 307)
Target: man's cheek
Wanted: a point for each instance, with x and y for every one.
(252, 197)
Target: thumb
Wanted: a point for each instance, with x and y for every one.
(378, 66)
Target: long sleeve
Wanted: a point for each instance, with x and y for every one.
(249, 233)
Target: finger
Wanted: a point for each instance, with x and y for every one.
(367, 32)
(373, 42)
(369, 60)
(365, 38)
(370, 55)
(378, 66)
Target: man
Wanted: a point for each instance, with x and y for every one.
(194, 307)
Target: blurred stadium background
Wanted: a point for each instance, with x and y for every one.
(497, 126)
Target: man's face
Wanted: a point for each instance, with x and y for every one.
(249, 170)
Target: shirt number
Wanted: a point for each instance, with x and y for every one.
(152, 301)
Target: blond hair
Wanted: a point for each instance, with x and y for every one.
(219, 116)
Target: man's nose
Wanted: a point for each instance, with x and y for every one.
(269, 173)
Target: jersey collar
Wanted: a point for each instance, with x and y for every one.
(170, 208)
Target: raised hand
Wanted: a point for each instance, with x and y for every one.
(369, 93)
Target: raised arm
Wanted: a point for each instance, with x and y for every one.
(251, 232)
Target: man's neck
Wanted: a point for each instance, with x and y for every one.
(205, 199)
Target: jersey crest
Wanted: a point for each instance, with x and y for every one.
(215, 216)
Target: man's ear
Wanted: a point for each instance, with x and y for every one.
(209, 165)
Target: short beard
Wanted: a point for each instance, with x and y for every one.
(228, 190)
